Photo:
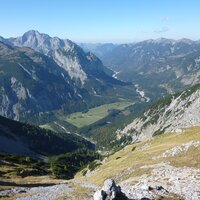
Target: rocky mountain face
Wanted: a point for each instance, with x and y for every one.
(65, 53)
(32, 83)
(158, 67)
(170, 114)
(40, 74)
(80, 66)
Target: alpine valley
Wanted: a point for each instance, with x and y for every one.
(76, 117)
(40, 74)
(157, 67)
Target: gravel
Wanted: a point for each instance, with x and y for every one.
(38, 193)
(183, 181)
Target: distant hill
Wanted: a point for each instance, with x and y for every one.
(99, 49)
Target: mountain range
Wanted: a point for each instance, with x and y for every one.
(157, 67)
(40, 74)
(99, 49)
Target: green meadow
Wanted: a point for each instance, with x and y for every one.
(81, 119)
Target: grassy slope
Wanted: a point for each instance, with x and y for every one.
(11, 165)
(125, 159)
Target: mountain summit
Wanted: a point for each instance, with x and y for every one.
(65, 53)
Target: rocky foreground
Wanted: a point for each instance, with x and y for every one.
(165, 182)
(149, 188)
(166, 167)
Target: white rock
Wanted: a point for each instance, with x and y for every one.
(99, 195)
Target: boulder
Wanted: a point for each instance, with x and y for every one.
(110, 191)
(99, 195)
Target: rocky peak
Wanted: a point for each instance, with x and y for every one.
(159, 41)
(40, 42)
(68, 55)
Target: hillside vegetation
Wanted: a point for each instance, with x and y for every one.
(25, 139)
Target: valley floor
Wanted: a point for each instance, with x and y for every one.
(167, 167)
(83, 119)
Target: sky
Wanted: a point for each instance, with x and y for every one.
(93, 21)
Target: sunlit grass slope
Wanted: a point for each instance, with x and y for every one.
(126, 163)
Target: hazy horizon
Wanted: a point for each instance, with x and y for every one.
(95, 21)
(95, 43)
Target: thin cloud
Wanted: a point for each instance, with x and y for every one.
(164, 18)
(162, 30)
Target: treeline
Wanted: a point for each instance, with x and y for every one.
(67, 165)
(63, 166)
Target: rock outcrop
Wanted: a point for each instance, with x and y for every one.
(110, 191)
(170, 114)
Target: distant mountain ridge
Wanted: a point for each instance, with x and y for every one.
(158, 67)
(99, 49)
